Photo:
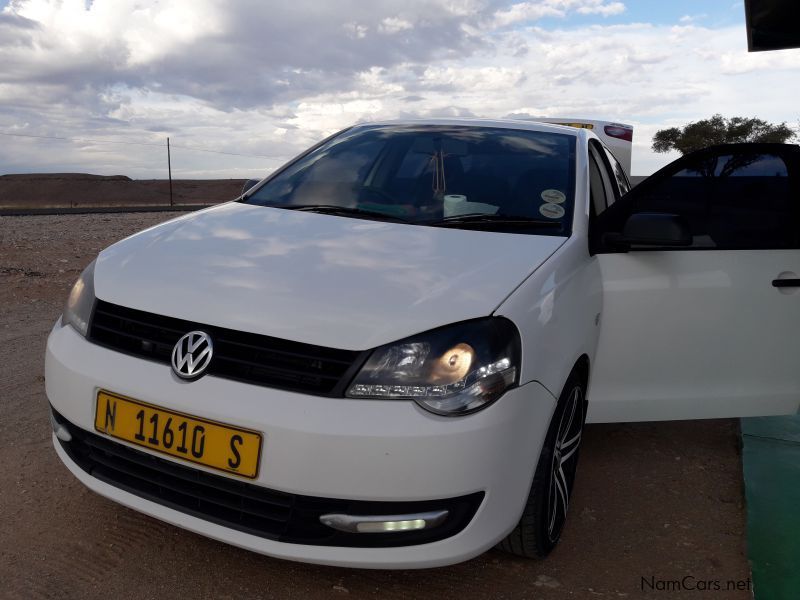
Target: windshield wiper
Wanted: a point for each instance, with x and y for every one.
(333, 209)
(493, 219)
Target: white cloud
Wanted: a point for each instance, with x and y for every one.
(470, 79)
(735, 63)
(692, 18)
(246, 79)
(392, 25)
(534, 10)
(601, 8)
(356, 30)
(526, 11)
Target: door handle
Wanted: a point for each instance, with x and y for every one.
(785, 283)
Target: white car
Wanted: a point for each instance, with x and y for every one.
(383, 354)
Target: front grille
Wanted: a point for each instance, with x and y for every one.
(259, 511)
(247, 357)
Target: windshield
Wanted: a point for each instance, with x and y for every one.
(459, 176)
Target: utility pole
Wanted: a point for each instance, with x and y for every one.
(169, 168)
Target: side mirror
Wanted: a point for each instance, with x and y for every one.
(651, 229)
(656, 229)
(249, 184)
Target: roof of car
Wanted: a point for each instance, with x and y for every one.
(480, 122)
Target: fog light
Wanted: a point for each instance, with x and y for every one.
(383, 523)
(391, 526)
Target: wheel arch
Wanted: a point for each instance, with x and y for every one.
(582, 367)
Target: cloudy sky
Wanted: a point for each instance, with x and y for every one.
(259, 80)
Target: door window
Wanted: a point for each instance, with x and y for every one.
(731, 200)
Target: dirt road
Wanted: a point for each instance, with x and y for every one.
(654, 503)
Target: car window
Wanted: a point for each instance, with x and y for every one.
(730, 200)
(621, 179)
(426, 174)
(600, 180)
(597, 190)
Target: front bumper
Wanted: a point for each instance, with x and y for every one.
(363, 450)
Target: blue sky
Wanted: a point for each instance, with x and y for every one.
(710, 13)
(266, 78)
(714, 13)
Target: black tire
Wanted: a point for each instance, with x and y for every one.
(543, 518)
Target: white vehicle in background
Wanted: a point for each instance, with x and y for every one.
(383, 355)
(618, 137)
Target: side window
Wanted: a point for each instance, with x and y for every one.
(623, 184)
(597, 190)
(730, 201)
(601, 188)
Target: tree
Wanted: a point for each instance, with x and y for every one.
(719, 130)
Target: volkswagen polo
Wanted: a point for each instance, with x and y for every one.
(383, 355)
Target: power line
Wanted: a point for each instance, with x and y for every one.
(92, 141)
(228, 153)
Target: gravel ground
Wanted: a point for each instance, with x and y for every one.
(661, 501)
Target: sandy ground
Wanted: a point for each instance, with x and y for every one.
(660, 501)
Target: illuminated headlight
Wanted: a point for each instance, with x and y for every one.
(454, 370)
(78, 308)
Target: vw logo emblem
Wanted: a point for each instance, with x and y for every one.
(191, 355)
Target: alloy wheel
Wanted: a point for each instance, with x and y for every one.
(564, 462)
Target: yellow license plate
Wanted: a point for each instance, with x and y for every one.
(191, 438)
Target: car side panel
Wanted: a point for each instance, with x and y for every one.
(696, 335)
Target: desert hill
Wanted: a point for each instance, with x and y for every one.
(82, 190)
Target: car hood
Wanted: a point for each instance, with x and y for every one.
(332, 281)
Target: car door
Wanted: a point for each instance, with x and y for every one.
(712, 328)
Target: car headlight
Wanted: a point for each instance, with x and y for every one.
(453, 370)
(78, 308)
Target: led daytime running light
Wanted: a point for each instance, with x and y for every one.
(429, 391)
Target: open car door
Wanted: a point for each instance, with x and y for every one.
(701, 290)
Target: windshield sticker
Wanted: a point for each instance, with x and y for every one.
(554, 196)
(552, 211)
